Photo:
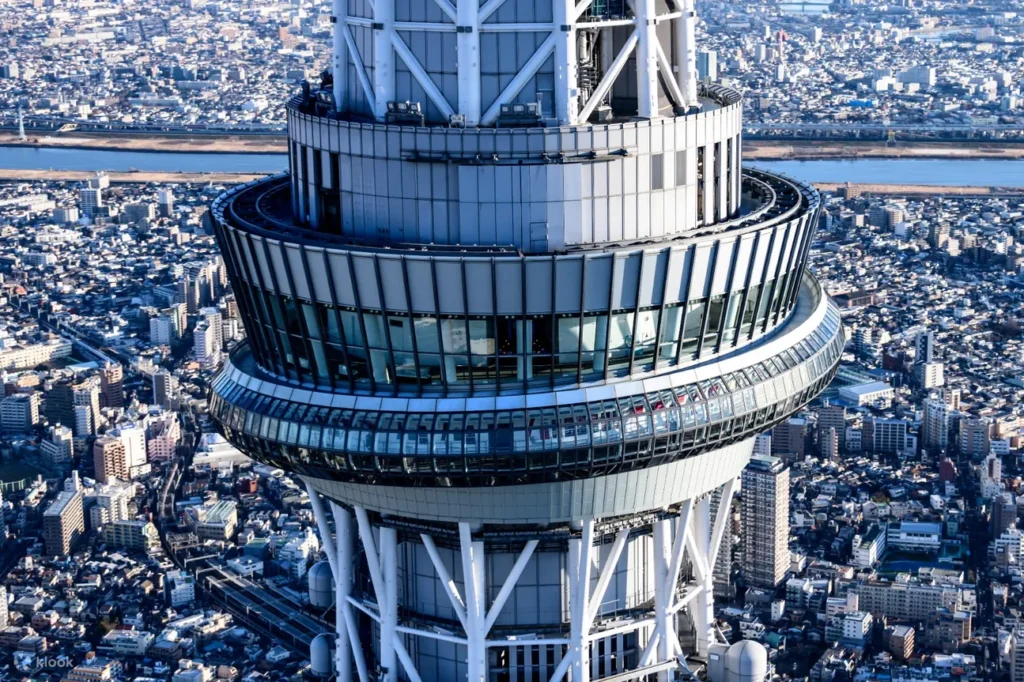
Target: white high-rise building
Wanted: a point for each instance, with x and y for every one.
(991, 473)
(1017, 655)
(162, 331)
(930, 375)
(180, 588)
(298, 552)
(209, 337)
(935, 430)
(57, 448)
(84, 423)
(164, 435)
(765, 522)
(90, 199)
(134, 440)
(87, 394)
(110, 504)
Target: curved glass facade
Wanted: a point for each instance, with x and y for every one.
(486, 322)
(442, 447)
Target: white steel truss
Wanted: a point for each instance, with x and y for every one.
(469, 18)
(688, 537)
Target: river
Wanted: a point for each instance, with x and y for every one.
(962, 172)
(53, 158)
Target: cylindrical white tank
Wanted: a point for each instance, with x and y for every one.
(746, 661)
(321, 585)
(320, 656)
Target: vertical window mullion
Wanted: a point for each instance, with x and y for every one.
(412, 331)
(316, 316)
(359, 318)
(387, 327)
(729, 294)
(636, 314)
(713, 260)
(337, 321)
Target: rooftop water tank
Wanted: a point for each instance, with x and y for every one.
(746, 661)
(320, 656)
(321, 585)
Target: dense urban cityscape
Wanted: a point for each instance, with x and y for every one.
(924, 69)
(357, 422)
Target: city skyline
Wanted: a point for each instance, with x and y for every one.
(602, 341)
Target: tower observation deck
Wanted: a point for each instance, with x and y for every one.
(515, 315)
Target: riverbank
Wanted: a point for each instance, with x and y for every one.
(874, 189)
(877, 189)
(765, 150)
(787, 150)
(17, 175)
(198, 144)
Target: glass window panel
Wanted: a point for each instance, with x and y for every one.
(277, 317)
(312, 324)
(668, 343)
(542, 429)
(620, 339)
(323, 366)
(430, 367)
(592, 342)
(749, 310)
(732, 319)
(291, 309)
(540, 368)
(540, 331)
(716, 311)
(374, 324)
(483, 369)
(350, 324)
(726, 406)
(762, 309)
(379, 365)
(691, 327)
(286, 347)
(568, 337)
(426, 334)
(481, 336)
(508, 334)
(646, 335)
(405, 368)
(454, 335)
(456, 369)
(400, 329)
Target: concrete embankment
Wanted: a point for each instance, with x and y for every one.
(752, 149)
(14, 174)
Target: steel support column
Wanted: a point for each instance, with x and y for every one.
(566, 89)
(683, 28)
(343, 589)
(383, 567)
(664, 620)
(468, 54)
(473, 577)
(702, 608)
(389, 616)
(383, 56)
(339, 54)
(581, 552)
(646, 59)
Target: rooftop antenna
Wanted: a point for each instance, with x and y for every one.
(21, 124)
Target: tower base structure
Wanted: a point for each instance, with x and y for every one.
(605, 577)
(593, 599)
